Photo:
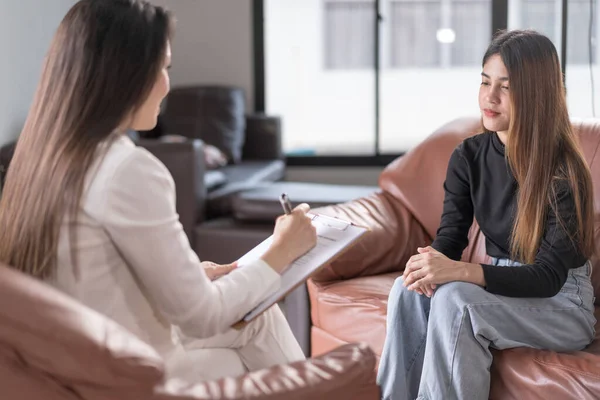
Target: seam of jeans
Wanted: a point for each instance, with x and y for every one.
(586, 313)
(460, 326)
(580, 309)
(414, 357)
(512, 307)
(501, 303)
(578, 284)
(577, 293)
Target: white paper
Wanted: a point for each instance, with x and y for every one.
(333, 236)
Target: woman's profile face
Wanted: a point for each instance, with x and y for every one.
(147, 115)
(494, 98)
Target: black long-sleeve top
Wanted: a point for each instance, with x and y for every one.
(479, 183)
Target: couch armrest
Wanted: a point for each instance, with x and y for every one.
(263, 138)
(347, 372)
(394, 237)
(185, 161)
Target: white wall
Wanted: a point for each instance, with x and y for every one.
(26, 28)
(213, 43)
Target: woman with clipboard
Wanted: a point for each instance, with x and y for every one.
(90, 213)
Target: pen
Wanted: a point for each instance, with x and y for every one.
(285, 203)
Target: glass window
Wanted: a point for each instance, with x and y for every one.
(578, 33)
(319, 74)
(582, 56)
(434, 73)
(320, 69)
(413, 28)
(349, 29)
(472, 22)
(545, 16)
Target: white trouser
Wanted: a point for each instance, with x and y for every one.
(264, 342)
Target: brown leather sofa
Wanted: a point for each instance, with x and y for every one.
(349, 297)
(52, 347)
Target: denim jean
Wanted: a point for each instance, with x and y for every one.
(439, 348)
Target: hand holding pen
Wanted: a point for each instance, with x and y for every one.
(286, 204)
(293, 236)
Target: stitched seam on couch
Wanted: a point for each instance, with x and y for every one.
(562, 367)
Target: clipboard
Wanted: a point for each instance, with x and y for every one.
(334, 237)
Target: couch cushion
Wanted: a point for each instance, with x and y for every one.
(214, 179)
(58, 336)
(243, 176)
(262, 202)
(393, 238)
(574, 375)
(19, 381)
(353, 310)
(253, 172)
(214, 114)
(348, 373)
(417, 178)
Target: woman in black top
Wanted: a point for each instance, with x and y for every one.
(526, 182)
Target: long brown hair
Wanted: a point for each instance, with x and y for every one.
(543, 152)
(102, 64)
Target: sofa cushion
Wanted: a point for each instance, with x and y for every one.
(262, 202)
(214, 179)
(393, 238)
(58, 336)
(347, 372)
(240, 177)
(353, 310)
(19, 381)
(417, 178)
(215, 114)
(254, 172)
(574, 375)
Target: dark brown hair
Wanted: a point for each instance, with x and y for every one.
(543, 152)
(101, 66)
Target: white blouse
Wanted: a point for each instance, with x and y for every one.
(135, 262)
